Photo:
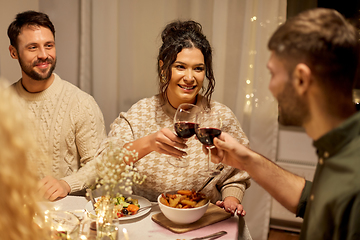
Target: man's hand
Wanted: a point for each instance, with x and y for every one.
(284, 186)
(51, 188)
(232, 205)
(229, 151)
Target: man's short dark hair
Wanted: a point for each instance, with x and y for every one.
(28, 18)
(326, 42)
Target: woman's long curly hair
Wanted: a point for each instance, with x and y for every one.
(176, 36)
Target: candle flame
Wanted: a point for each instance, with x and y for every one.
(125, 234)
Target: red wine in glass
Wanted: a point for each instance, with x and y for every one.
(185, 129)
(206, 135)
(210, 124)
(184, 125)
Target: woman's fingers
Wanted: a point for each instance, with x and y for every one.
(166, 142)
(169, 150)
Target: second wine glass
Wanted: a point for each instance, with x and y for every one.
(209, 127)
(184, 125)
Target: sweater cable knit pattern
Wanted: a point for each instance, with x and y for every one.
(70, 127)
(57, 133)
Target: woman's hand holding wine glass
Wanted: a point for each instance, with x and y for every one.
(184, 125)
(209, 127)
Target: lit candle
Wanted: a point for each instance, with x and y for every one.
(125, 234)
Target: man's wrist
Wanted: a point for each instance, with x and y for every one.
(66, 186)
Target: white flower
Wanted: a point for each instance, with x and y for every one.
(117, 171)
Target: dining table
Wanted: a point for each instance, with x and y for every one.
(144, 227)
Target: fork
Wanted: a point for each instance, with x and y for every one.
(211, 236)
(147, 207)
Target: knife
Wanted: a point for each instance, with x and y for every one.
(211, 236)
(220, 167)
(241, 228)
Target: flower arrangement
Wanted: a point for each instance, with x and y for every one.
(117, 172)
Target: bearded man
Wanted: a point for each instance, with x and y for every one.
(313, 65)
(69, 123)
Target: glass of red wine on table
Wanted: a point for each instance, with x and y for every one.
(209, 127)
(185, 125)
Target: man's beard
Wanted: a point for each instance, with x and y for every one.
(293, 111)
(28, 69)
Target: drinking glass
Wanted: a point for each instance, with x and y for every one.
(209, 126)
(105, 226)
(184, 125)
(63, 225)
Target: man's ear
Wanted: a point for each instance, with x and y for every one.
(302, 78)
(13, 52)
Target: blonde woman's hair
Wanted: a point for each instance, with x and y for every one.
(18, 180)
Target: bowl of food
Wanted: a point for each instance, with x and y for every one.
(183, 206)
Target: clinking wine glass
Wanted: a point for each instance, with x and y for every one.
(209, 127)
(184, 125)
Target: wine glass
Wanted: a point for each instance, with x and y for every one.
(209, 126)
(64, 225)
(184, 125)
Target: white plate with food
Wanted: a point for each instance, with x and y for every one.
(124, 203)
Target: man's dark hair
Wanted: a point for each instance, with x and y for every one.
(28, 18)
(326, 42)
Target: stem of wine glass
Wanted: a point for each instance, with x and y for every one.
(209, 156)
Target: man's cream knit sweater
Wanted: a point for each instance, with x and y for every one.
(69, 128)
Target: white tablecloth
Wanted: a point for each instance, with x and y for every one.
(145, 228)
